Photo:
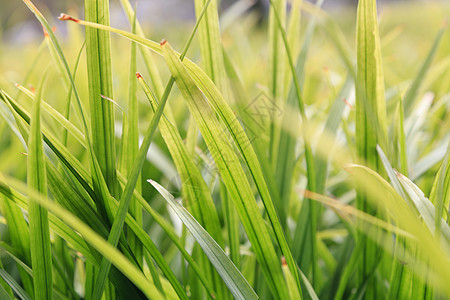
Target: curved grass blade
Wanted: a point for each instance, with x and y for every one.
(231, 171)
(96, 241)
(428, 264)
(14, 285)
(236, 283)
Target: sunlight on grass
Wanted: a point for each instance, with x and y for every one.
(311, 154)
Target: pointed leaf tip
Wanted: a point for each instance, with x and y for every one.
(65, 17)
(163, 42)
(138, 75)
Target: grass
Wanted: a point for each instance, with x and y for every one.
(276, 162)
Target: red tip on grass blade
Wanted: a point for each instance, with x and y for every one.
(45, 31)
(138, 75)
(348, 103)
(65, 17)
(283, 261)
(163, 42)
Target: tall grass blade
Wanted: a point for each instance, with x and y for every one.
(98, 54)
(411, 94)
(130, 142)
(371, 128)
(40, 244)
(211, 44)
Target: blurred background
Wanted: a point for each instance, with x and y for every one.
(18, 25)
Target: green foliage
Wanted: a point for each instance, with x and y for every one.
(283, 165)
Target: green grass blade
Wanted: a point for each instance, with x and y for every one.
(156, 81)
(211, 44)
(432, 254)
(371, 128)
(130, 142)
(14, 285)
(411, 94)
(237, 284)
(5, 291)
(277, 23)
(231, 172)
(98, 53)
(440, 195)
(41, 259)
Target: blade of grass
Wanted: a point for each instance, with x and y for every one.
(277, 23)
(40, 244)
(98, 54)
(211, 44)
(130, 142)
(236, 283)
(14, 285)
(413, 89)
(370, 123)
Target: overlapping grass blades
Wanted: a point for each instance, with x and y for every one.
(237, 284)
(231, 172)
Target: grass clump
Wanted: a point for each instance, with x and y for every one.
(277, 164)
